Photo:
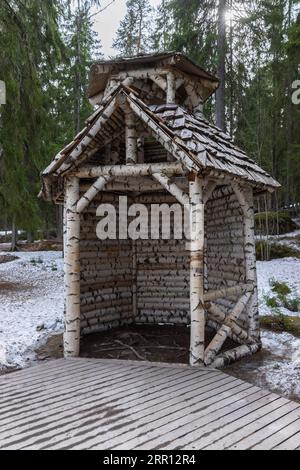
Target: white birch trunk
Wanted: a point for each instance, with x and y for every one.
(197, 272)
(130, 137)
(72, 270)
(92, 192)
(172, 188)
(245, 198)
(171, 88)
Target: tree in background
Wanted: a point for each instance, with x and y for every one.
(191, 28)
(46, 51)
(134, 32)
(31, 47)
(252, 47)
(221, 69)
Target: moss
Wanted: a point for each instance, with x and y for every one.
(281, 288)
(293, 305)
(276, 251)
(280, 323)
(280, 220)
(272, 302)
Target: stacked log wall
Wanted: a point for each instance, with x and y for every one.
(106, 275)
(225, 251)
(163, 275)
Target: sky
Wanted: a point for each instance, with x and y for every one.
(107, 23)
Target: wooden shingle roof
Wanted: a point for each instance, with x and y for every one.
(199, 144)
(216, 148)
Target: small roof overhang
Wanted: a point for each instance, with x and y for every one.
(101, 71)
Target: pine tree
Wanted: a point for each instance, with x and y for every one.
(30, 48)
(134, 33)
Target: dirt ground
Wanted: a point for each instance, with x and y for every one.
(43, 245)
(153, 343)
(7, 258)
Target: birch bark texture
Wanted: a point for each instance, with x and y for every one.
(245, 198)
(197, 347)
(72, 269)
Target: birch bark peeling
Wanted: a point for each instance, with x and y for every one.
(172, 188)
(88, 197)
(72, 270)
(197, 272)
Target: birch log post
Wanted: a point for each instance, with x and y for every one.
(197, 271)
(171, 88)
(72, 270)
(130, 136)
(245, 198)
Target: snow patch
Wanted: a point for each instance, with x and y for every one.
(282, 270)
(281, 371)
(31, 304)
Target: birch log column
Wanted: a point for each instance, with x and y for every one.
(197, 271)
(72, 269)
(130, 136)
(171, 88)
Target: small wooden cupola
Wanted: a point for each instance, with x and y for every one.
(148, 141)
(168, 77)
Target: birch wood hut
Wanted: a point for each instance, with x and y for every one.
(148, 140)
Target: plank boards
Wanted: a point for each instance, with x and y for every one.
(81, 404)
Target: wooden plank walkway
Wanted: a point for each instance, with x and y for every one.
(113, 405)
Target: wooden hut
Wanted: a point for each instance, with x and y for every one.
(148, 140)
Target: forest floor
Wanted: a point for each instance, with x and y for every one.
(31, 324)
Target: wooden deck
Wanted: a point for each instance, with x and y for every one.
(99, 404)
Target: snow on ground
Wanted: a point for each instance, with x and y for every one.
(282, 270)
(275, 368)
(31, 304)
(282, 371)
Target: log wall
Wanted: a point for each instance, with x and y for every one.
(163, 275)
(106, 275)
(225, 253)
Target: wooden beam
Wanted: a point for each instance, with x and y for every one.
(234, 355)
(72, 270)
(173, 189)
(217, 342)
(83, 150)
(130, 136)
(92, 192)
(197, 346)
(228, 292)
(143, 169)
(216, 314)
(171, 88)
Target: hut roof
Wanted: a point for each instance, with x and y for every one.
(200, 144)
(100, 71)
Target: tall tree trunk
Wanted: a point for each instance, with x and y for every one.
(30, 236)
(231, 111)
(220, 95)
(78, 69)
(14, 235)
(59, 222)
